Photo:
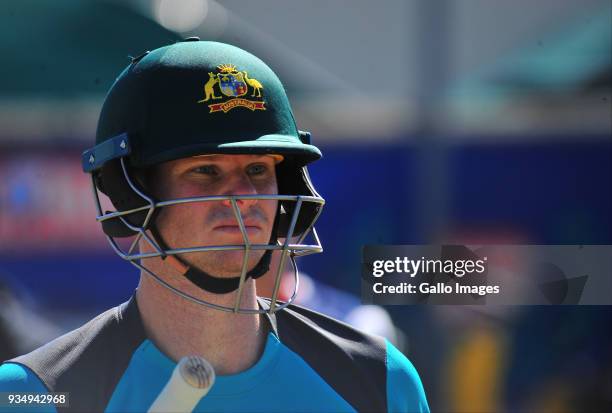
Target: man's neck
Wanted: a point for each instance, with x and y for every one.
(178, 327)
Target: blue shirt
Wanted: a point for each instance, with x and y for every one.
(281, 380)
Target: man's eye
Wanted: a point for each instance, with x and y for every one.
(206, 170)
(258, 169)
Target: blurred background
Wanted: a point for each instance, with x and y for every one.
(465, 121)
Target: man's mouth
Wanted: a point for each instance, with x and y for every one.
(251, 229)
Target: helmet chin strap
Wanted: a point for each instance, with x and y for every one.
(218, 285)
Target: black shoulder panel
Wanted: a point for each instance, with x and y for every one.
(352, 362)
(89, 361)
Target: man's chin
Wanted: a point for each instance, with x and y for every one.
(224, 264)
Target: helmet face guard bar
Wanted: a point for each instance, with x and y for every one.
(118, 148)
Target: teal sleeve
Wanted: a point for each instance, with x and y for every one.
(15, 378)
(405, 391)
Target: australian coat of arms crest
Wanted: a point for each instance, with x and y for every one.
(235, 87)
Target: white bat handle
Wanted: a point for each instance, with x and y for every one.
(191, 379)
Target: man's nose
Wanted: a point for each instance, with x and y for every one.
(241, 185)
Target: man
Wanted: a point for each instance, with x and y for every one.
(199, 153)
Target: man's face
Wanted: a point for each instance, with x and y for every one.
(214, 222)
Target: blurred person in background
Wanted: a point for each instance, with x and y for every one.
(22, 327)
(8, 347)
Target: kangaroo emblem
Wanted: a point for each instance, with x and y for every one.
(254, 84)
(209, 89)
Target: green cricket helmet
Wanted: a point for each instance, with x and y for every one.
(193, 98)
